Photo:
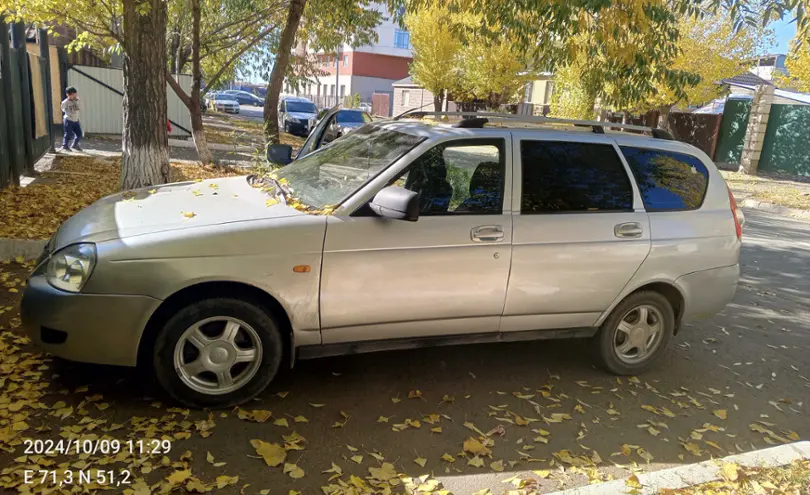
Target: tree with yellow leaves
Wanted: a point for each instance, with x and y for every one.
(798, 66)
(436, 50)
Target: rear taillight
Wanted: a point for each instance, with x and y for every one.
(736, 213)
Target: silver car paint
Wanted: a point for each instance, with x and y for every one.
(385, 279)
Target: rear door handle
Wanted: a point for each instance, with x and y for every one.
(487, 233)
(628, 230)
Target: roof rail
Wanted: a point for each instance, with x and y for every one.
(481, 117)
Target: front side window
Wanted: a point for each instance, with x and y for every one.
(668, 181)
(330, 175)
(463, 177)
(563, 177)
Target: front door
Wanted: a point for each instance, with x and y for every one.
(445, 273)
(581, 231)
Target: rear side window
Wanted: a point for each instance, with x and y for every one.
(573, 177)
(668, 181)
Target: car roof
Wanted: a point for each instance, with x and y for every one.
(431, 129)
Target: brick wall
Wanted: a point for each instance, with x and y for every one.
(416, 97)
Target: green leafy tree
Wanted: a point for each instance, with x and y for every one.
(798, 66)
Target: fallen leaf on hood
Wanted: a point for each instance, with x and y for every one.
(188, 214)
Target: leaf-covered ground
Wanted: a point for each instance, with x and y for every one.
(791, 479)
(518, 418)
(779, 189)
(37, 210)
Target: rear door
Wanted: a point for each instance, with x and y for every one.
(580, 230)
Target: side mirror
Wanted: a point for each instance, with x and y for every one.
(280, 154)
(397, 203)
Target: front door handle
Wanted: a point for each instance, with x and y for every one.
(487, 233)
(628, 230)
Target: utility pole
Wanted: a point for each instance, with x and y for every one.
(338, 61)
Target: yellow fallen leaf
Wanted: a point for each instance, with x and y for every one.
(496, 466)
(300, 419)
(633, 482)
(177, 477)
(448, 458)
(293, 471)
(353, 449)
(730, 471)
(712, 444)
(437, 429)
(521, 421)
(578, 408)
(645, 455)
(415, 394)
(189, 214)
(476, 462)
(357, 458)
(316, 405)
(272, 453)
(721, 413)
(448, 398)
(383, 419)
(396, 400)
(223, 481)
(693, 448)
(413, 423)
(475, 447)
(281, 422)
(543, 473)
(421, 461)
(209, 457)
(793, 436)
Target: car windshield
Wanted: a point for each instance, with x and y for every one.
(301, 106)
(330, 175)
(347, 117)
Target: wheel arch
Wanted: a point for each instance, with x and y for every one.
(208, 289)
(667, 289)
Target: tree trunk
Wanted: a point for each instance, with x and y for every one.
(145, 147)
(663, 117)
(437, 102)
(280, 66)
(197, 131)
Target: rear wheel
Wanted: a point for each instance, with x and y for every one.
(217, 353)
(636, 333)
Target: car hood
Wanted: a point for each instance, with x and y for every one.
(183, 205)
(301, 115)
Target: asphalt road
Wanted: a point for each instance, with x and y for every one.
(719, 377)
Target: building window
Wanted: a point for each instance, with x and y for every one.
(342, 90)
(345, 60)
(332, 90)
(335, 61)
(406, 98)
(402, 39)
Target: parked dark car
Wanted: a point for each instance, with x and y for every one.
(244, 98)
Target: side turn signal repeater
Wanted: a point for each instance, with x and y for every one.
(301, 268)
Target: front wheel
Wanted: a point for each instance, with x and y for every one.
(217, 352)
(636, 333)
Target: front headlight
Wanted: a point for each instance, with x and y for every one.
(292, 119)
(70, 267)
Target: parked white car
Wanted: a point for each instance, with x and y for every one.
(224, 103)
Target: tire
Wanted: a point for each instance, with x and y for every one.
(608, 344)
(256, 330)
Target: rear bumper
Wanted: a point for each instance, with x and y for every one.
(708, 291)
(91, 328)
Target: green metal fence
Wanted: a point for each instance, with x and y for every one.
(732, 131)
(786, 147)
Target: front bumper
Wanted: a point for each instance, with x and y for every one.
(91, 328)
(298, 127)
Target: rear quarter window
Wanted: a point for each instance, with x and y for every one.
(668, 181)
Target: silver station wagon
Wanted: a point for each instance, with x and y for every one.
(405, 233)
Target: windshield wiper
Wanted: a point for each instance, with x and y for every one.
(253, 179)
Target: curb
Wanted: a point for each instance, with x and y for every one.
(773, 208)
(695, 474)
(28, 249)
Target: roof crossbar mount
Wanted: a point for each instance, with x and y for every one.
(480, 118)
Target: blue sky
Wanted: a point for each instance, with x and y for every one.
(785, 31)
